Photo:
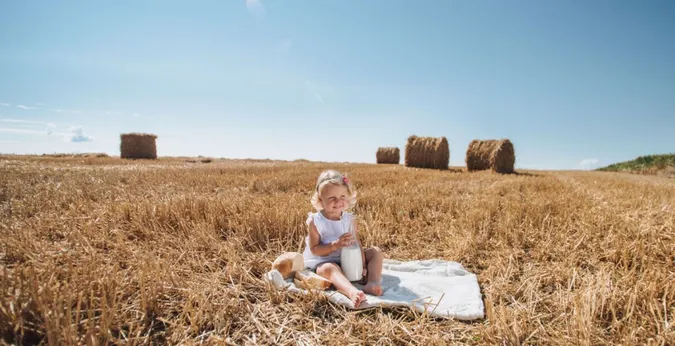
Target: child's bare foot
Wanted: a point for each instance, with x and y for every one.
(357, 297)
(373, 288)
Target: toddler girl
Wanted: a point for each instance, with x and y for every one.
(329, 233)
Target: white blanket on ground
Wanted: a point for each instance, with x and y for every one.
(438, 288)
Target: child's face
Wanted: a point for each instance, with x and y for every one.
(335, 198)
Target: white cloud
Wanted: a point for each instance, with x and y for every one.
(25, 107)
(10, 142)
(21, 121)
(588, 163)
(4, 104)
(313, 91)
(74, 134)
(77, 135)
(255, 8)
(22, 131)
(50, 126)
(68, 111)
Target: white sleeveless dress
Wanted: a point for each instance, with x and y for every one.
(329, 231)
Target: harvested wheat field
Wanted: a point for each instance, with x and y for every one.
(104, 250)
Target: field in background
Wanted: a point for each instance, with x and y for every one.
(96, 250)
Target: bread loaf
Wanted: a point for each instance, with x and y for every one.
(288, 263)
(307, 279)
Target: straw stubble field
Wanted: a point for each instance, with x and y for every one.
(97, 250)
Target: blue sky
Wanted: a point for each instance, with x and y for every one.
(573, 84)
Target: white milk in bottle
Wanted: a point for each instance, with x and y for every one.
(352, 263)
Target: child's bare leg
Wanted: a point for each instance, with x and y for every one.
(333, 273)
(374, 259)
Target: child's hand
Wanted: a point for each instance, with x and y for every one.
(344, 240)
(365, 272)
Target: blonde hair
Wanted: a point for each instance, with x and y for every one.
(336, 178)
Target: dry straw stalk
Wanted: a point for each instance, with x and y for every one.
(388, 155)
(427, 152)
(497, 155)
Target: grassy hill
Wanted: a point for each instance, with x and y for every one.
(649, 164)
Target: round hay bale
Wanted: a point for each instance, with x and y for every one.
(388, 155)
(138, 146)
(427, 152)
(494, 154)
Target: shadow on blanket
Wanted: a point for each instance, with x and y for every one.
(391, 285)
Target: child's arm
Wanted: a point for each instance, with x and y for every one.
(319, 249)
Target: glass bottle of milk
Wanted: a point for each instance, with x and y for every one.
(351, 261)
